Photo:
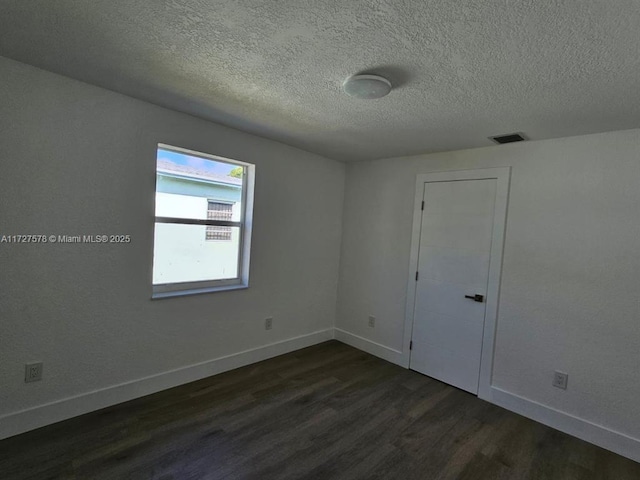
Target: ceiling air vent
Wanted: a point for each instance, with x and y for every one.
(509, 138)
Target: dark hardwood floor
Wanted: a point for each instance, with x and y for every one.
(325, 412)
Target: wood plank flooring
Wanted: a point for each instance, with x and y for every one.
(325, 412)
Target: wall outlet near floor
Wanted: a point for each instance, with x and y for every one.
(268, 323)
(560, 380)
(33, 372)
(372, 321)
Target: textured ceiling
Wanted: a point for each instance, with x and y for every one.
(462, 70)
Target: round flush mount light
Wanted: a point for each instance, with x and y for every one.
(367, 86)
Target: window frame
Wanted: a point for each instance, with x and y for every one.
(165, 290)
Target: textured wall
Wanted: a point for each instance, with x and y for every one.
(569, 297)
(463, 70)
(79, 159)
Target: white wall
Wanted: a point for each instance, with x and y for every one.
(77, 159)
(571, 271)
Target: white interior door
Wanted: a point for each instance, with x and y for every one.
(453, 265)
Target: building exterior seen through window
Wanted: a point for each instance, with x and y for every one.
(219, 211)
(201, 221)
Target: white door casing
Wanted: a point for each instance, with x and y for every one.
(462, 236)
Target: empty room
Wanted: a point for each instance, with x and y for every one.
(369, 239)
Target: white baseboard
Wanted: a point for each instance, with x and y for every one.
(361, 343)
(36, 417)
(590, 432)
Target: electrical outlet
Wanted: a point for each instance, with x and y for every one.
(372, 321)
(560, 380)
(268, 323)
(33, 372)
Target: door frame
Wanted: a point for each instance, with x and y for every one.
(502, 175)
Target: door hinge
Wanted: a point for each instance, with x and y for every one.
(422, 205)
(411, 345)
(416, 276)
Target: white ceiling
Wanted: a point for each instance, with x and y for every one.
(462, 70)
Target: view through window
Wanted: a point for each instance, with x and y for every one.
(201, 221)
(219, 211)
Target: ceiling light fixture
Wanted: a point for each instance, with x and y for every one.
(367, 86)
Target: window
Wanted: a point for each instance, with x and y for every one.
(202, 222)
(219, 211)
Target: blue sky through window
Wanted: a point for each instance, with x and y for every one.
(199, 163)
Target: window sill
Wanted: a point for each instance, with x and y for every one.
(196, 291)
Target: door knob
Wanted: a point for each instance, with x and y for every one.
(476, 297)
